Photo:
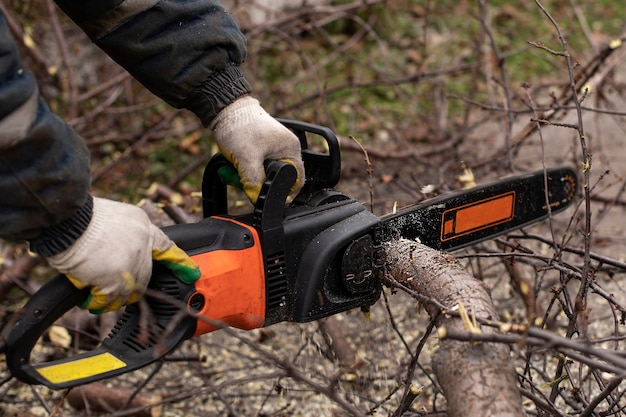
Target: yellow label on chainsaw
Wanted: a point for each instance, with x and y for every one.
(60, 373)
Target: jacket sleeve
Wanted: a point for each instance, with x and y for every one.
(44, 164)
(187, 52)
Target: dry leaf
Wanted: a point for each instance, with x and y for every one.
(59, 336)
(386, 179)
(467, 178)
(190, 143)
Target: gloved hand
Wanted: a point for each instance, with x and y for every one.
(247, 136)
(114, 256)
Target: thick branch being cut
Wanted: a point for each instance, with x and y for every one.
(478, 379)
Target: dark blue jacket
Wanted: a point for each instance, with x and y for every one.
(188, 52)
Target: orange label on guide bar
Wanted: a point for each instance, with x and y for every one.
(480, 215)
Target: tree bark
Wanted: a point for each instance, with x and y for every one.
(478, 379)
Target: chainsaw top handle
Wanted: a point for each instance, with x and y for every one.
(322, 169)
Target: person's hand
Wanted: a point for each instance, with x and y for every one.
(114, 256)
(247, 136)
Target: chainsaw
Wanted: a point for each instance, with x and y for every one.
(319, 255)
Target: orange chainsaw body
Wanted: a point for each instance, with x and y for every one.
(233, 283)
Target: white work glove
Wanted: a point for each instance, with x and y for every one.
(114, 256)
(247, 136)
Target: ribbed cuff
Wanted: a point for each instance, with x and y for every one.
(216, 93)
(61, 236)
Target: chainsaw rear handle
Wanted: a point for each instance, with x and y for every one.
(46, 306)
(130, 344)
